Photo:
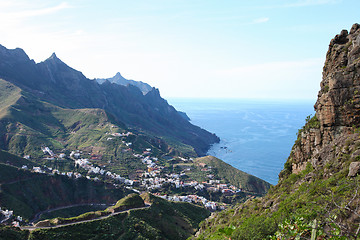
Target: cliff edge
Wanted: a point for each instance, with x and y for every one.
(318, 193)
(338, 104)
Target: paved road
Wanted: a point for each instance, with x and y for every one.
(38, 215)
(31, 228)
(4, 220)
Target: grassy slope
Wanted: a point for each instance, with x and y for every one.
(11, 159)
(9, 94)
(72, 211)
(11, 233)
(28, 193)
(234, 176)
(30, 123)
(311, 194)
(38, 123)
(163, 220)
(130, 201)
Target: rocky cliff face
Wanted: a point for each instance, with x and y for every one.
(320, 183)
(338, 104)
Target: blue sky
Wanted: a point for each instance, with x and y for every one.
(186, 48)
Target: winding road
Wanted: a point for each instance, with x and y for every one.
(32, 228)
(38, 215)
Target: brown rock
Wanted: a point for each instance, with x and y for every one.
(338, 104)
(354, 169)
(354, 28)
(45, 223)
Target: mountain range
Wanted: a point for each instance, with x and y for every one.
(69, 145)
(317, 196)
(56, 83)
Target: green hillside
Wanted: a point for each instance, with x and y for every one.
(163, 220)
(234, 176)
(11, 159)
(30, 124)
(28, 193)
(9, 94)
(128, 202)
(55, 82)
(297, 199)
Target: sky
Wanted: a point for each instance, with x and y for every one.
(269, 49)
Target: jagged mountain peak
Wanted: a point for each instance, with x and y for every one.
(120, 80)
(55, 82)
(55, 60)
(53, 56)
(118, 74)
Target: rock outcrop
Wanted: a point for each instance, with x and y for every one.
(320, 182)
(338, 104)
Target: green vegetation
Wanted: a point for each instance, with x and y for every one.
(83, 217)
(8, 158)
(12, 233)
(324, 194)
(72, 211)
(178, 148)
(11, 174)
(128, 202)
(299, 228)
(163, 220)
(325, 89)
(310, 122)
(28, 193)
(30, 124)
(9, 94)
(231, 175)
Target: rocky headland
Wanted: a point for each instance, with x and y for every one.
(317, 196)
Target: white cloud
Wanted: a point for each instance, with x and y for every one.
(13, 12)
(44, 11)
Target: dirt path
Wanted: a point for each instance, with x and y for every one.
(32, 228)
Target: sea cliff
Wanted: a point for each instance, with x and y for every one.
(317, 195)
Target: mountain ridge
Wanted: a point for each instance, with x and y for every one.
(120, 80)
(54, 81)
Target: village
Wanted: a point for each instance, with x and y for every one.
(8, 215)
(151, 179)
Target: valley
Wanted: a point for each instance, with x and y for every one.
(109, 158)
(61, 150)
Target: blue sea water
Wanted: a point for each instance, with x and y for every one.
(256, 135)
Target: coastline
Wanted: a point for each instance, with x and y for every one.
(255, 134)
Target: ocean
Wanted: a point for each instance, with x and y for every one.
(256, 135)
